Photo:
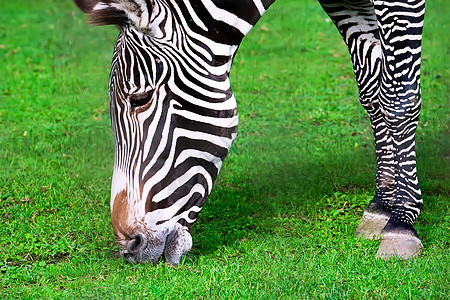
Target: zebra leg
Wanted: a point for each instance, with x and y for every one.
(386, 60)
(358, 26)
(400, 25)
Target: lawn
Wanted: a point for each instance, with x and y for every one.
(280, 220)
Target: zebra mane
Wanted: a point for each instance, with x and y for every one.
(112, 12)
(109, 16)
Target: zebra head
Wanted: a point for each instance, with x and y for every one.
(173, 115)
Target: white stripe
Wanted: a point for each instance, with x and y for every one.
(180, 181)
(169, 212)
(222, 122)
(230, 103)
(259, 6)
(185, 154)
(227, 17)
(194, 16)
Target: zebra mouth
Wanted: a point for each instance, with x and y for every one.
(144, 248)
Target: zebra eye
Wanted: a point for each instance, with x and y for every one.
(138, 100)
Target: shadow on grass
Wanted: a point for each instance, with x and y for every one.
(247, 207)
(244, 205)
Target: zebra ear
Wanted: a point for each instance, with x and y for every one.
(105, 12)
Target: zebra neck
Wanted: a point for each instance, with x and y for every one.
(219, 25)
(226, 21)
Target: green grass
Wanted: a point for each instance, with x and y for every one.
(281, 217)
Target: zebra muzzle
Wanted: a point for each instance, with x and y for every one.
(142, 248)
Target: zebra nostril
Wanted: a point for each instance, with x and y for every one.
(143, 248)
(136, 244)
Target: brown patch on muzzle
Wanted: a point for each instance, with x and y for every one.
(119, 217)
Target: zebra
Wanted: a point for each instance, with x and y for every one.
(174, 115)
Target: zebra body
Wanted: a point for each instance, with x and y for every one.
(174, 115)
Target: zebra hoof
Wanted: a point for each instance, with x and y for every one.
(399, 245)
(371, 225)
